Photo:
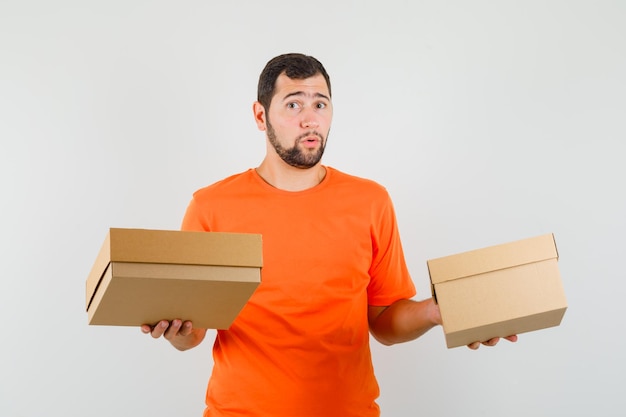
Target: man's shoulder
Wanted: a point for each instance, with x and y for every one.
(226, 185)
(357, 183)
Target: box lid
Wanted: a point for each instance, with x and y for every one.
(175, 247)
(492, 258)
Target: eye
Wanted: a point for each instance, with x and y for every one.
(320, 105)
(293, 105)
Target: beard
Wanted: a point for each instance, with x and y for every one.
(295, 156)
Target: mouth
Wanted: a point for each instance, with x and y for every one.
(310, 139)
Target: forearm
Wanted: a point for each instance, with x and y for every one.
(403, 320)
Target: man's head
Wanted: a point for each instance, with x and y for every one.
(295, 66)
(294, 109)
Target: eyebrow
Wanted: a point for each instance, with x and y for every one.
(302, 93)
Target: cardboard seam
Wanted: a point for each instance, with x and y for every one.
(495, 270)
(95, 290)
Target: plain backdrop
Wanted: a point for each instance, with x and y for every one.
(487, 121)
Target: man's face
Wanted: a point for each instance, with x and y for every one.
(298, 120)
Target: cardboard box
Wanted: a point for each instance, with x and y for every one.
(142, 276)
(498, 291)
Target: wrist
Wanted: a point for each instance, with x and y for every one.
(434, 314)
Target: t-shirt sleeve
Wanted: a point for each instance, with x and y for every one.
(389, 276)
(194, 219)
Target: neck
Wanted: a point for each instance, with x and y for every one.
(289, 178)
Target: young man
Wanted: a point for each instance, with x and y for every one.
(334, 268)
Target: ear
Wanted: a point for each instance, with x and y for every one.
(259, 115)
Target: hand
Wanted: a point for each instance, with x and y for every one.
(179, 333)
(491, 342)
(168, 330)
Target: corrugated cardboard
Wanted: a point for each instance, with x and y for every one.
(141, 276)
(498, 291)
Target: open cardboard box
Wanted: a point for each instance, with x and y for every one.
(498, 291)
(141, 276)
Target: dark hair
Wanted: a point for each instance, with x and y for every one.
(295, 66)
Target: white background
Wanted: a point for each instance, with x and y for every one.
(488, 121)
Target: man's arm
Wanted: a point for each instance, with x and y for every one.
(402, 321)
(180, 334)
(406, 320)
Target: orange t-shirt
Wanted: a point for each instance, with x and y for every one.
(300, 346)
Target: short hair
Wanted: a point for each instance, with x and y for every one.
(295, 66)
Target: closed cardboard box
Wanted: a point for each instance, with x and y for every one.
(141, 276)
(498, 291)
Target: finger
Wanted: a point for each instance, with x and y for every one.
(512, 338)
(186, 328)
(160, 328)
(474, 345)
(492, 342)
(172, 330)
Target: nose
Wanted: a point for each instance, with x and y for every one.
(309, 123)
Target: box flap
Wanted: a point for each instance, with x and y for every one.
(94, 286)
(97, 270)
(132, 294)
(492, 258)
(174, 247)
